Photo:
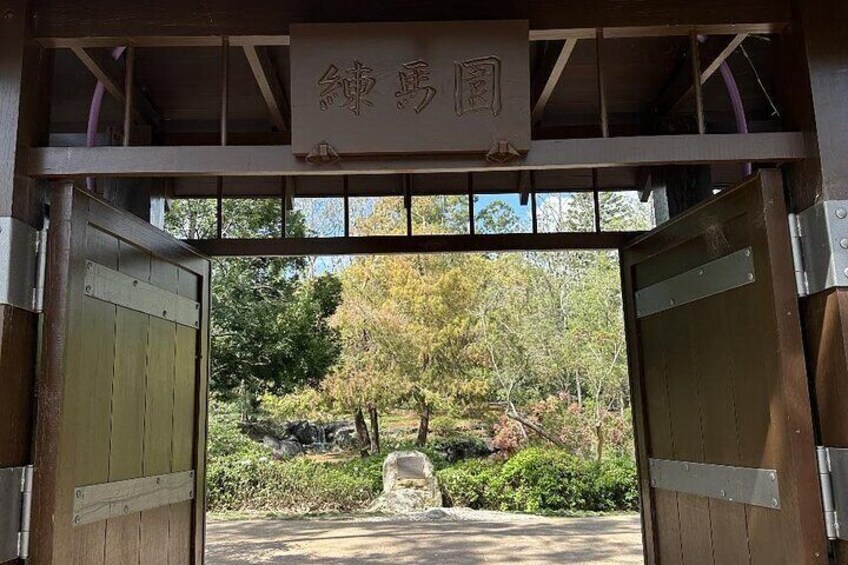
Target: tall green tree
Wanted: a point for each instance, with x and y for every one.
(270, 330)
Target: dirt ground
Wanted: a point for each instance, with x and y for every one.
(484, 538)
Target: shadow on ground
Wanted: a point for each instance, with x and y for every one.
(613, 539)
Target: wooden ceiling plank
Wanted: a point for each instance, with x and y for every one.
(553, 80)
(269, 85)
(107, 71)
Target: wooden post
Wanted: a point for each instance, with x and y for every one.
(283, 207)
(596, 200)
(534, 218)
(602, 89)
(815, 55)
(695, 62)
(346, 199)
(25, 78)
(470, 203)
(129, 81)
(407, 202)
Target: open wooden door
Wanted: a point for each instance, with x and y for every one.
(121, 422)
(720, 396)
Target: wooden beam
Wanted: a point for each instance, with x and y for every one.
(269, 84)
(679, 87)
(399, 244)
(206, 161)
(710, 69)
(106, 70)
(95, 21)
(553, 79)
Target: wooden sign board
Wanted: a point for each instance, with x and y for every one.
(419, 87)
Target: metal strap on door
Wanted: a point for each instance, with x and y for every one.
(725, 273)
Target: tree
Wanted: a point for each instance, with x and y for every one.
(407, 324)
(270, 330)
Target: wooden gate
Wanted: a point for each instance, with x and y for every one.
(121, 424)
(720, 397)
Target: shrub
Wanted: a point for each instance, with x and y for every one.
(542, 481)
(295, 486)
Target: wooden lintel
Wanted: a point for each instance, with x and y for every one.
(398, 244)
(269, 84)
(106, 70)
(208, 161)
(553, 79)
(271, 40)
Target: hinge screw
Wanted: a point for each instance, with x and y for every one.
(843, 243)
(774, 502)
(773, 477)
(841, 213)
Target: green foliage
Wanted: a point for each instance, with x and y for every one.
(269, 319)
(542, 481)
(295, 486)
(303, 404)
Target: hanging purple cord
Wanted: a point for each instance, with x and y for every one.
(94, 115)
(735, 101)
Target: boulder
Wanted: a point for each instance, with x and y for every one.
(305, 432)
(409, 484)
(458, 449)
(282, 448)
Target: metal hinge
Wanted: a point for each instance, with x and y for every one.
(16, 500)
(26, 513)
(826, 482)
(798, 256)
(23, 262)
(820, 246)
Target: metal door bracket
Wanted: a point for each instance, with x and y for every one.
(19, 264)
(322, 154)
(820, 246)
(833, 478)
(16, 502)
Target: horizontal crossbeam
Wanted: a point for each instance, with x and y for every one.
(399, 244)
(206, 161)
(93, 23)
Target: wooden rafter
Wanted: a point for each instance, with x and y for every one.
(174, 161)
(269, 84)
(553, 79)
(106, 70)
(680, 87)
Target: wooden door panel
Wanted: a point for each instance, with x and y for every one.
(123, 394)
(719, 379)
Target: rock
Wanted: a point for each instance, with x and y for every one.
(409, 484)
(289, 449)
(457, 449)
(271, 442)
(305, 432)
(344, 438)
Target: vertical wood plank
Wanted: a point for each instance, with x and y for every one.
(90, 383)
(128, 395)
(661, 437)
(182, 453)
(714, 355)
(159, 416)
(17, 365)
(683, 377)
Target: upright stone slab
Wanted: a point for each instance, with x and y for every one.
(409, 484)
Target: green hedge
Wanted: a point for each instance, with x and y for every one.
(295, 486)
(542, 481)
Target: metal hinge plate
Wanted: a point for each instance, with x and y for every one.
(820, 246)
(18, 264)
(833, 476)
(16, 502)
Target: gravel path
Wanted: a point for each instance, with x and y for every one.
(446, 537)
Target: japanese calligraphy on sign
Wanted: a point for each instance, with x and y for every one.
(410, 87)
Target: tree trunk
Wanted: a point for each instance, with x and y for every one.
(423, 427)
(361, 432)
(375, 429)
(599, 431)
(535, 427)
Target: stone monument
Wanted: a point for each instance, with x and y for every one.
(409, 484)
